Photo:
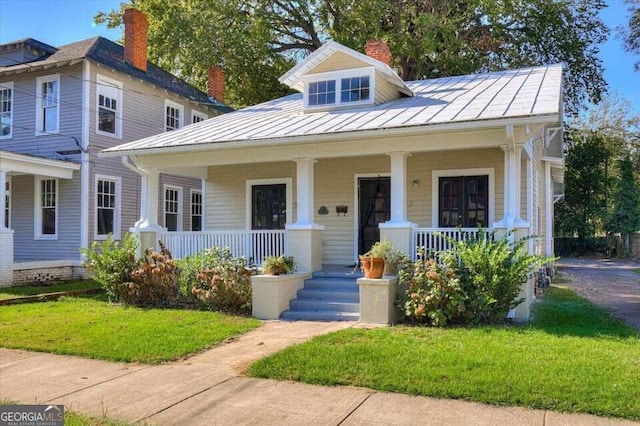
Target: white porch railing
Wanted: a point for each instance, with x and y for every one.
(433, 240)
(254, 245)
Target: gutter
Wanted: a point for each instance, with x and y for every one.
(333, 137)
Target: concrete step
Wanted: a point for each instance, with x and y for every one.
(348, 273)
(293, 315)
(323, 305)
(331, 284)
(344, 295)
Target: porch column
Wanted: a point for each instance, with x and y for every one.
(305, 236)
(512, 177)
(398, 229)
(147, 227)
(6, 238)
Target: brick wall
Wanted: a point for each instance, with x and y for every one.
(38, 276)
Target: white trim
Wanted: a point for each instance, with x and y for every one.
(338, 76)
(249, 183)
(435, 191)
(112, 88)
(175, 105)
(7, 206)
(356, 205)
(37, 224)
(198, 114)
(42, 264)
(8, 85)
(548, 198)
(191, 215)
(30, 165)
(204, 203)
(164, 205)
(39, 116)
(117, 213)
(84, 158)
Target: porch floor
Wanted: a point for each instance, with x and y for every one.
(347, 271)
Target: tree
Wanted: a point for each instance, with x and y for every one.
(582, 210)
(631, 35)
(625, 218)
(258, 40)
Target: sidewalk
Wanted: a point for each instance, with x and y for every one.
(209, 389)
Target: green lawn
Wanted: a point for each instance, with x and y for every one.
(91, 327)
(573, 357)
(11, 292)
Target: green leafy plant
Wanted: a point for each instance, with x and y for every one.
(216, 280)
(155, 281)
(112, 264)
(276, 265)
(492, 273)
(434, 294)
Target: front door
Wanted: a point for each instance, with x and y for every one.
(269, 206)
(374, 207)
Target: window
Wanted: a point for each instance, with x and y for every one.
(197, 117)
(109, 107)
(172, 210)
(173, 115)
(6, 110)
(47, 104)
(46, 209)
(354, 89)
(196, 210)
(322, 93)
(7, 204)
(107, 206)
(464, 201)
(340, 88)
(268, 203)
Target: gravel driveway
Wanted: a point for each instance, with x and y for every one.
(613, 284)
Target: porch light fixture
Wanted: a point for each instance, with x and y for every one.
(342, 209)
(416, 182)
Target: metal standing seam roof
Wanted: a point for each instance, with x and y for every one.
(513, 94)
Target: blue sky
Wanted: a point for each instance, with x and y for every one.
(58, 22)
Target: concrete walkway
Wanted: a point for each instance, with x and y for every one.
(209, 389)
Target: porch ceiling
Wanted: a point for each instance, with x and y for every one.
(21, 164)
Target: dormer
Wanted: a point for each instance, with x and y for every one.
(335, 76)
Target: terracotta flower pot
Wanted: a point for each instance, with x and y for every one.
(373, 266)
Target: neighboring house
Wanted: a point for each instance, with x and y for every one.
(361, 155)
(59, 107)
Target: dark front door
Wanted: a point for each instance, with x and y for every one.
(464, 201)
(374, 199)
(269, 206)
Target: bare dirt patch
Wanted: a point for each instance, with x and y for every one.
(612, 284)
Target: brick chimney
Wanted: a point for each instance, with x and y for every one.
(215, 83)
(135, 38)
(379, 50)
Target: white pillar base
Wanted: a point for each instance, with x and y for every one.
(271, 294)
(400, 235)
(6, 259)
(377, 300)
(305, 245)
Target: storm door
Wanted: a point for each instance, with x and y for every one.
(374, 207)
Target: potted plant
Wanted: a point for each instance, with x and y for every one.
(276, 265)
(390, 258)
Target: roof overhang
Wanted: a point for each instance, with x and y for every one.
(294, 77)
(22, 68)
(21, 164)
(557, 168)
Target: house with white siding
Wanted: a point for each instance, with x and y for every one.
(59, 107)
(360, 155)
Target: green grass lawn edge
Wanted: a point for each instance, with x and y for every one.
(573, 357)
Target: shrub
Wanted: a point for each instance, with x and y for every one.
(276, 265)
(216, 280)
(112, 264)
(491, 274)
(155, 281)
(434, 294)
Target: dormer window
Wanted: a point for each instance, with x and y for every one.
(339, 88)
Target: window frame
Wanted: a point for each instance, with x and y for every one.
(249, 184)
(7, 206)
(180, 108)
(338, 76)
(40, 127)
(106, 86)
(201, 115)
(8, 86)
(38, 231)
(191, 206)
(435, 191)
(179, 189)
(116, 210)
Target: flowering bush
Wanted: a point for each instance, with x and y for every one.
(216, 280)
(155, 281)
(434, 295)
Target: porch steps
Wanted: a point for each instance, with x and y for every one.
(326, 297)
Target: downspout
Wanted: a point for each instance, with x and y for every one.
(85, 175)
